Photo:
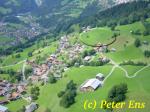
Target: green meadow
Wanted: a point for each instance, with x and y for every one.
(48, 96)
(97, 36)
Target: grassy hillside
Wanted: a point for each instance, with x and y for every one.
(97, 35)
(125, 50)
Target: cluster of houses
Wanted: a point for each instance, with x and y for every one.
(71, 50)
(101, 48)
(10, 91)
(56, 66)
(52, 65)
(64, 43)
(32, 30)
(75, 50)
(92, 84)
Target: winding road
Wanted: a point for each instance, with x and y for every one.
(126, 73)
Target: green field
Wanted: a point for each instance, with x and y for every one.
(138, 89)
(48, 97)
(97, 36)
(130, 53)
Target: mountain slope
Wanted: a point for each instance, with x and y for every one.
(30, 18)
(57, 9)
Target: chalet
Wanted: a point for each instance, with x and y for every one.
(113, 50)
(29, 98)
(34, 78)
(86, 29)
(14, 96)
(6, 87)
(44, 78)
(104, 59)
(32, 107)
(145, 42)
(87, 58)
(38, 71)
(3, 109)
(90, 85)
(102, 48)
(21, 88)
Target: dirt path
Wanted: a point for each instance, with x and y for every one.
(110, 73)
(135, 74)
(23, 71)
(126, 73)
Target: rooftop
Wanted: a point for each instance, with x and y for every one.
(2, 108)
(94, 83)
(100, 75)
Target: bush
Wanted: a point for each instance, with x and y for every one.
(35, 92)
(147, 53)
(68, 99)
(68, 96)
(137, 43)
(61, 93)
(18, 56)
(117, 93)
(146, 33)
(52, 79)
(47, 110)
(30, 54)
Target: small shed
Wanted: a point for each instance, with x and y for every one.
(100, 76)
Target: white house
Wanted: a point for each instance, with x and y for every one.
(3, 109)
(87, 58)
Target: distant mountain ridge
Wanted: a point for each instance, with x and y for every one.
(71, 8)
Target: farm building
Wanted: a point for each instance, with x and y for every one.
(3, 109)
(90, 85)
